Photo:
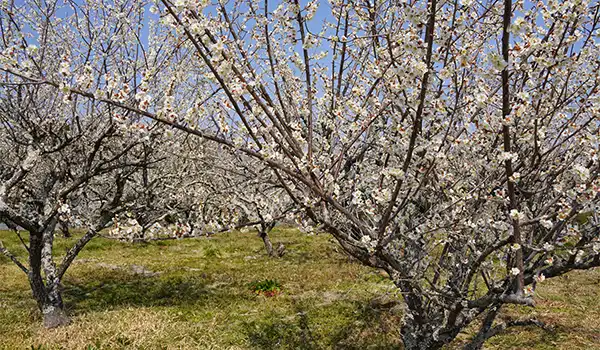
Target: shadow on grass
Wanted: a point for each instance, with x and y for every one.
(367, 328)
(272, 333)
(121, 289)
(4, 260)
(373, 327)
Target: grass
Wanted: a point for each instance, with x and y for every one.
(194, 294)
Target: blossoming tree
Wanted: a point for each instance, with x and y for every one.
(65, 160)
(58, 166)
(198, 191)
(452, 144)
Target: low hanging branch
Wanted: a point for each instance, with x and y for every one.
(9, 255)
(406, 131)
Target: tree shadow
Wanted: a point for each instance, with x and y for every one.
(369, 328)
(374, 326)
(119, 289)
(275, 333)
(4, 260)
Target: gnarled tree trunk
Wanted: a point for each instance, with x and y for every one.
(53, 309)
(267, 242)
(419, 337)
(263, 233)
(47, 295)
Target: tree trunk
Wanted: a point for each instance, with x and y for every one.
(419, 337)
(268, 245)
(47, 296)
(53, 311)
(49, 300)
(64, 227)
(263, 232)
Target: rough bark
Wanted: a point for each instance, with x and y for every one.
(419, 337)
(480, 338)
(47, 295)
(55, 317)
(35, 266)
(64, 228)
(263, 233)
(53, 310)
(267, 242)
(478, 342)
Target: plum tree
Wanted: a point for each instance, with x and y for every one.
(452, 144)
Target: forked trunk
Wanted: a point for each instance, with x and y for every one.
(263, 233)
(268, 245)
(49, 300)
(419, 337)
(47, 295)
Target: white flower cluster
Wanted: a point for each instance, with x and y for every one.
(142, 96)
(64, 212)
(368, 243)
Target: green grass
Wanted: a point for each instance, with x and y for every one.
(194, 294)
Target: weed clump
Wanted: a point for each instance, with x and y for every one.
(268, 288)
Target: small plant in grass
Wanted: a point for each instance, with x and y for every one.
(267, 288)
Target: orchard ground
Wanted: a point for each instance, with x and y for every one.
(194, 294)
